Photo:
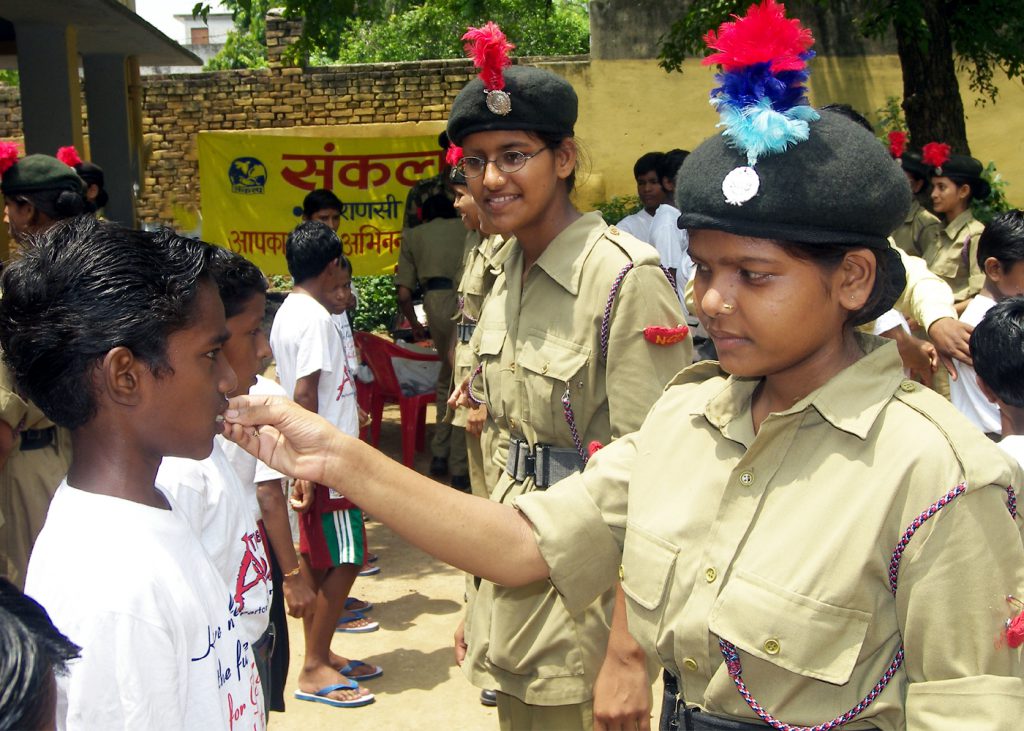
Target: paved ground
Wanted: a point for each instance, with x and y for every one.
(418, 603)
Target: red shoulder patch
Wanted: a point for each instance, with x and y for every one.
(660, 335)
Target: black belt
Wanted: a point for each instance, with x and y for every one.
(37, 438)
(434, 283)
(544, 463)
(464, 331)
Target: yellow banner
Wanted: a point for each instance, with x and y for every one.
(253, 184)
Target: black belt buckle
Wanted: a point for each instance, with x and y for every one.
(435, 283)
(37, 438)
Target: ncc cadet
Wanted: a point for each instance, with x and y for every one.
(804, 538)
(920, 228)
(956, 182)
(38, 191)
(431, 257)
(485, 255)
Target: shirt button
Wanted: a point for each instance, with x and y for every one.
(746, 478)
(772, 647)
(544, 368)
(908, 386)
(512, 423)
(690, 664)
(622, 573)
(613, 230)
(710, 574)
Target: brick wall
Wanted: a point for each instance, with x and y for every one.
(176, 107)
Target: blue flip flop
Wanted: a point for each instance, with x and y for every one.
(352, 602)
(321, 696)
(370, 571)
(353, 664)
(347, 617)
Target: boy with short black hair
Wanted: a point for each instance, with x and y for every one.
(324, 206)
(671, 241)
(313, 369)
(1001, 258)
(651, 194)
(223, 508)
(117, 335)
(997, 347)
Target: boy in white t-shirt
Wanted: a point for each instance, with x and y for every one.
(650, 193)
(672, 243)
(314, 371)
(117, 336)
(997, 347)
(221, 508)
(1001, 257)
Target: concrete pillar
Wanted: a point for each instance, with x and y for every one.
(110, 132)
(51, 97)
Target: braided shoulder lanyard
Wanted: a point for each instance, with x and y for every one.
(735, 667)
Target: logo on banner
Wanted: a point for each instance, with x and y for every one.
(247, 175)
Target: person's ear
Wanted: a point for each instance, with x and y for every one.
(121, 375)
(565, 158)
(993, 269)
(856, 278)
(963, 192)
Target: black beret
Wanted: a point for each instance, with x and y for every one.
(968, 170)
(840, 186)
(911, 161)
(39, 172)
(540, 102)
(91, 173)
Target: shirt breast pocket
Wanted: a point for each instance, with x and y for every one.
(487, 346)
(794, 632)
(550, 365)
(648, 567)
(948, 261)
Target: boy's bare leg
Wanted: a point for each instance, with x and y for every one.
(319, 670)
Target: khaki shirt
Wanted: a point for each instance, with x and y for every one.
(780, 543)
(433, 249)
(536, 340)
(954, 256)
(484, 258)
(918, 232)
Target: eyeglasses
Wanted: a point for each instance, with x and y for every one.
(511, 161)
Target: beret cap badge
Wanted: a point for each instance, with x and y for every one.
(761, 98)
(488, 47)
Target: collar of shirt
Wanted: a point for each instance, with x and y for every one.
(850, 401)
(958, 224)
(563, 259)
(915, 206)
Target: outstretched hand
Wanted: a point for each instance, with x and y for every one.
(282, 434)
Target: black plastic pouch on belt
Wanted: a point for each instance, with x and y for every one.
(464, 331)
(37, 438)
(546, 464)
(434, 283)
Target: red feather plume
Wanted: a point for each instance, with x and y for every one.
(935, 154)
(897, 143)
(69, 156)
(488, 47)
(453, 155)
(8, 156)
(763, 35)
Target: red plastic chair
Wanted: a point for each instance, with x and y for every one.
(378, 352)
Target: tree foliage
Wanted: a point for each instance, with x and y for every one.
(934, 39)
(367, 31)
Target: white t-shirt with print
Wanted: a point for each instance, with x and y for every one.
(964, 392)
(132, 586)
(214, 503)
(306, 339)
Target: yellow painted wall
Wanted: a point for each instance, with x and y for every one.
(628, 108)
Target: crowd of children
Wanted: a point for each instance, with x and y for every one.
(795, 519)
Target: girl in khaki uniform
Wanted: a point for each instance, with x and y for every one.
(563, 362)
(956, 182)
(804, 538)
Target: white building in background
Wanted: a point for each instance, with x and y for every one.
(174, 18)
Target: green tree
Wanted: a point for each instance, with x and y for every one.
(367, 31)
(934, 38)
